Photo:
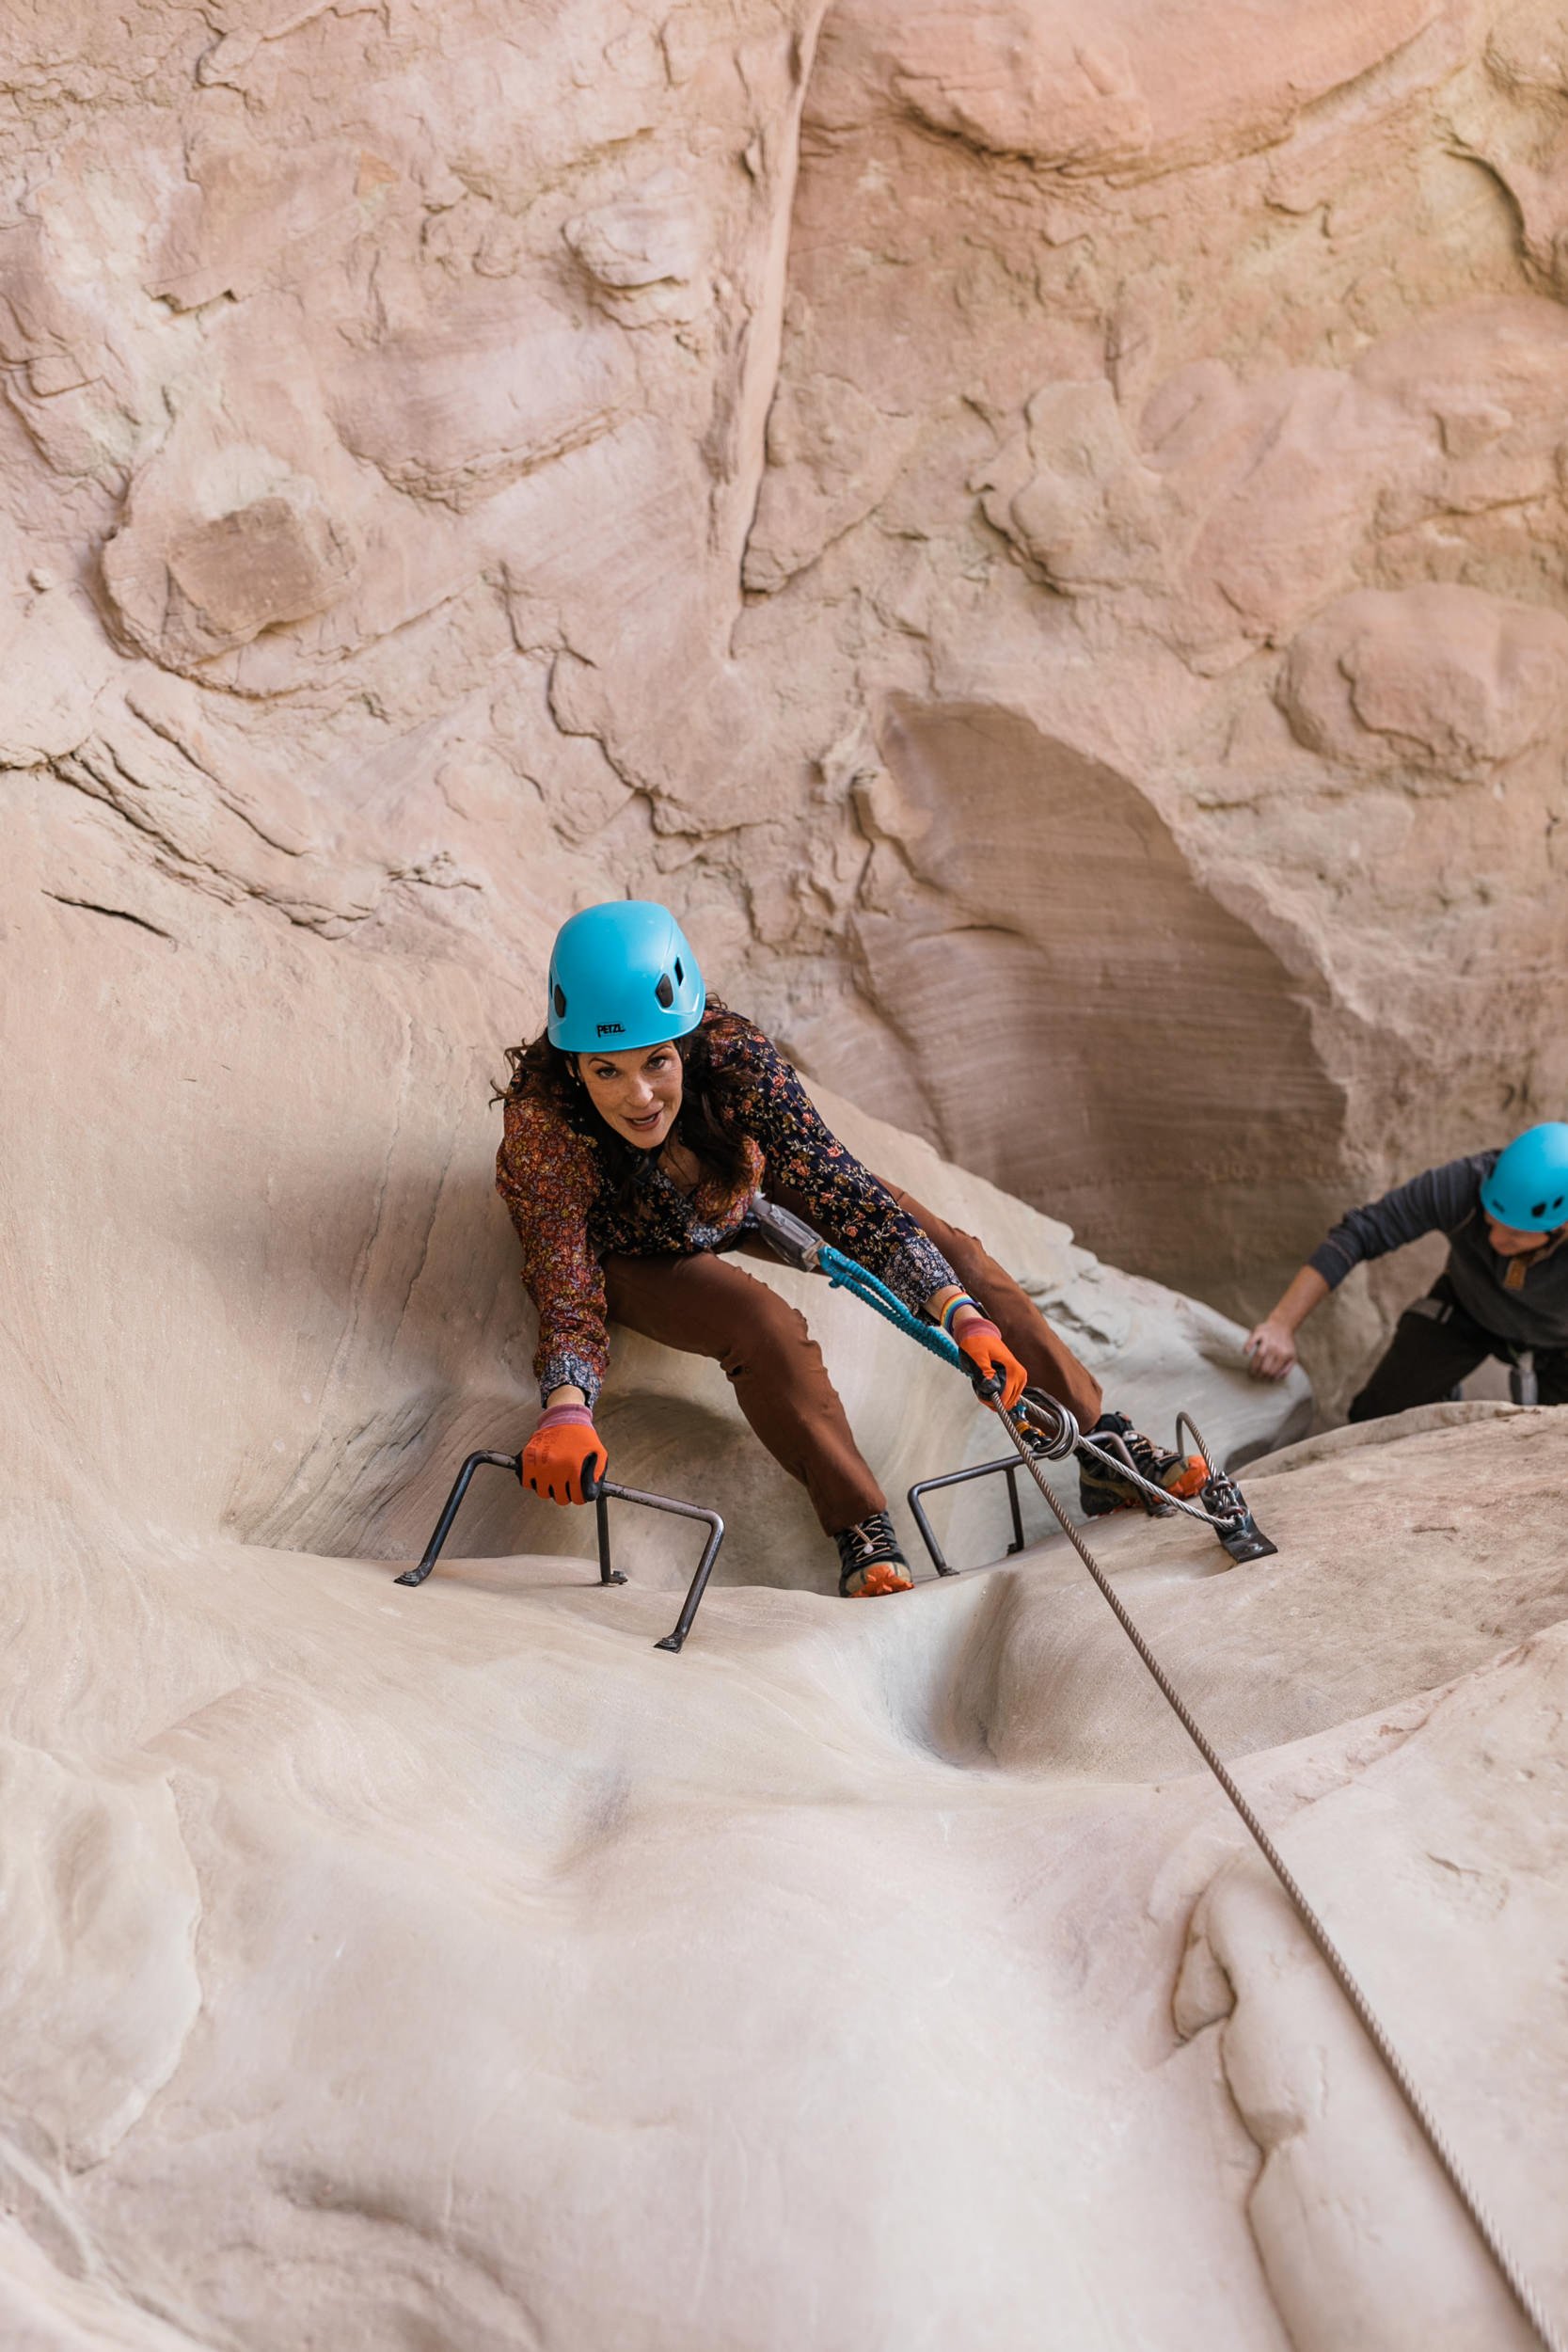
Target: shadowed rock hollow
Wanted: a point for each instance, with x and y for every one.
(1041, 533)
(1061, 939)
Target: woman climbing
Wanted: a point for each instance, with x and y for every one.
(639, 1130)
(1504, 1289)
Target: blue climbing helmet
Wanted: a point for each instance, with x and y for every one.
(623, 976)
(1528, 1188)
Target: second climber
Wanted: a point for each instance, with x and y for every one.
(1503, 1292)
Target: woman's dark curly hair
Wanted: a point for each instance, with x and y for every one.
(705, 1123)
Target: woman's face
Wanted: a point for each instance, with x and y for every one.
(637, 1093)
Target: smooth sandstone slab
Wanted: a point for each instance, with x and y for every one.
(549, 1985)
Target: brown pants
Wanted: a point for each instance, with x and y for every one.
(707, 1305)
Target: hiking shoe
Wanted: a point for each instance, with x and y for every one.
(1101, 1488)
(870, 1562)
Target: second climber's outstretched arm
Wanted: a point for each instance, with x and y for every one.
(1436, 1201)
(1270, 1347)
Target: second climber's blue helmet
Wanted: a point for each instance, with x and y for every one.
(623, 976)
(1527, 1187)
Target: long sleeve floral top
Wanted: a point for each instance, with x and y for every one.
(561, 1200)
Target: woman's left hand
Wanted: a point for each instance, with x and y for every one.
(982, 1342)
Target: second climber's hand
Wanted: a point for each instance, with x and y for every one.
(982, 1342)
(563, 1449)
(1270, 1350)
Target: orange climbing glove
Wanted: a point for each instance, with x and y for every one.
(564, 1448)
(983, 1343)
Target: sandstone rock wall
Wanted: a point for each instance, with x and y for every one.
(1221, 370)
(1040, 531)
(1041, 534)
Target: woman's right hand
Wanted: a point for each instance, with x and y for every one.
(565, 1446)
(1269, 1348)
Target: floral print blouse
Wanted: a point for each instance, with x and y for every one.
(562, 1204)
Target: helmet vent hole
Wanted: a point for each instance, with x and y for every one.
(665, 992)
(560, 1000)
(680, 976)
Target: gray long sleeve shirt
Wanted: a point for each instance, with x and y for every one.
(1446, 1200)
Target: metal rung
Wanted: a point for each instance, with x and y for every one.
(959, 1478)
(601, 1493)
(1221, 1505)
